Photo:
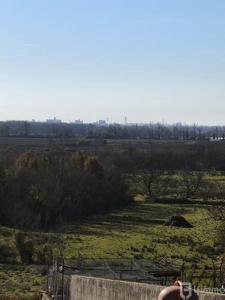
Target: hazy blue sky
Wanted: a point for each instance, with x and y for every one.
(92, 59)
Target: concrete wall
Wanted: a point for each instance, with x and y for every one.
(90, 288)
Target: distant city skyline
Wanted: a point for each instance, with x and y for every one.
(125, 121)
(92, 60)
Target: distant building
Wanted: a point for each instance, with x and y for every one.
(54, 121)
(78, 121)
(101, 123)
(217, 139)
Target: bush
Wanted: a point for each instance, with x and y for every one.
(25, 248)
(8, 253)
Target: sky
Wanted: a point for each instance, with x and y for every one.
(148, 60)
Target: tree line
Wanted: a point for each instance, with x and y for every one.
(156, 131)
(172, 157)
(42, 189)
(177, 174)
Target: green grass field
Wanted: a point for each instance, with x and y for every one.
(137, 231)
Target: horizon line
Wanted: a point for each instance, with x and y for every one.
(104, 122)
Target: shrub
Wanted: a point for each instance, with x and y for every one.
(25, 248)
(8, 253)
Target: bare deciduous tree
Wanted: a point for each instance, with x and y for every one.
(150, 181)
(192, 181)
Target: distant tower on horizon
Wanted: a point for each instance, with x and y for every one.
(125, 120)
(54, 121)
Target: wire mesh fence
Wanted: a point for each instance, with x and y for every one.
(157, 271)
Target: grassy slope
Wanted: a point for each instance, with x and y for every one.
(135, 231)
(132, 231)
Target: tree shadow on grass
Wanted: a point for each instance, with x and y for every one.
(125, 220)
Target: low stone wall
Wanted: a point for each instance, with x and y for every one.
(90, 288)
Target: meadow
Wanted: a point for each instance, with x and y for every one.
(135, 232)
